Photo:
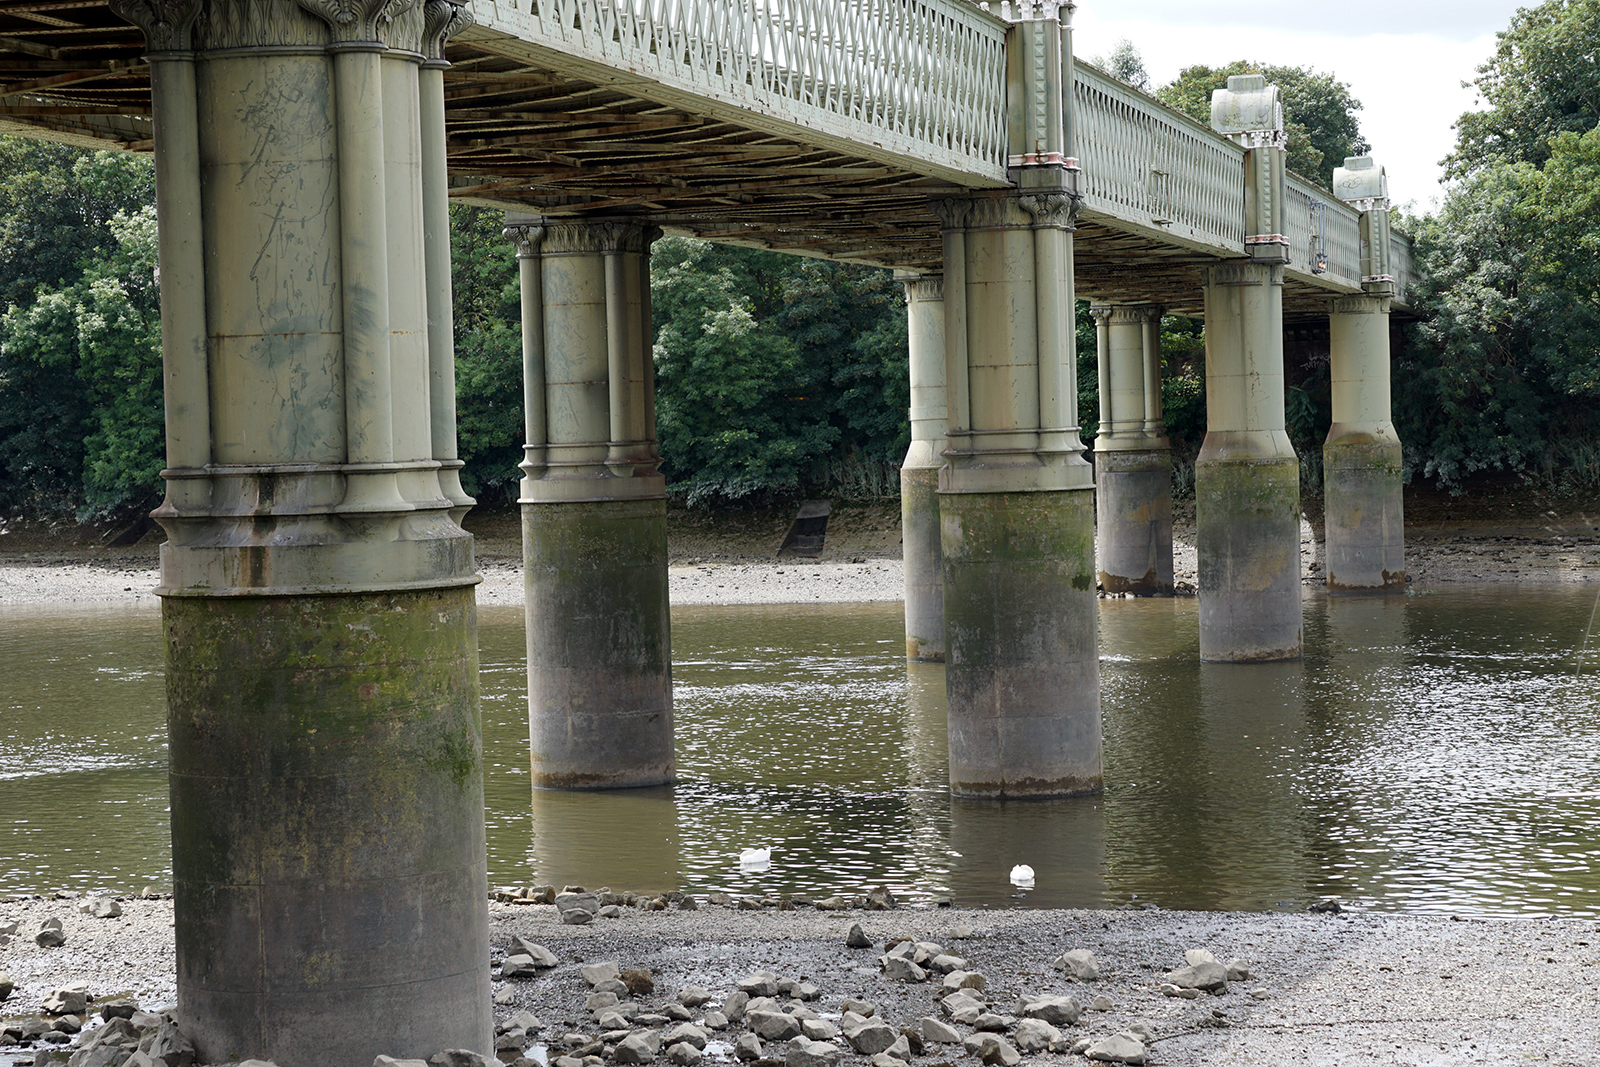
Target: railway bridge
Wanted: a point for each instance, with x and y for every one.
(327, 815)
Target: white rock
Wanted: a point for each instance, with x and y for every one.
(938, 1032)
(1080, 963)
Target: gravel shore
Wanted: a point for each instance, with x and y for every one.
(1433, 558)
(1322, 988)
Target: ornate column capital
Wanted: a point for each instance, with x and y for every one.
(527, 237)
(357, 22)
(598, 236)
(1052, 209)
(168, 25)
(443, 19)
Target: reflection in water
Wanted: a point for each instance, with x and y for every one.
(1432, 752)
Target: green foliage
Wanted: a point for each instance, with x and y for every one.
(1503, 372)
(775, 375)
(488, 331)
(80, 385)
(96, 343)
(1318, 111)
(1542, 81)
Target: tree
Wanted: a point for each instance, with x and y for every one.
(488, 323)
(1542, 81)
(80, 369)
(1319, 113)
(1126, 65)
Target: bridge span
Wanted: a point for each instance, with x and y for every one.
(316, 583)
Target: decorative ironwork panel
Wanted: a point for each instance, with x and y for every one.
(1402, 262)
(922, 81)
(1340, 231)
(1146, 164)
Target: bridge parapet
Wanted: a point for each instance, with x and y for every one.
(1148, 165)
(908, 80)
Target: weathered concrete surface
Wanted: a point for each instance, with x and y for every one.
(326, 768)
(1022, 670)
(1364, 516)
(1247, 533)
(1133, 521)
(599, 644)
(924, 580)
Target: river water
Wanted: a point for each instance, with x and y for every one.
(1434, 752)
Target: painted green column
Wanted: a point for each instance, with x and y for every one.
(323, 730)
(1016, 499)
(919, 474)
(1247, 478)
(1132, 455)
(1361, 457)
(594, 509)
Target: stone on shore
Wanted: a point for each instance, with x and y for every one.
(460, 1057)
(871, 1037)
(51, 936)
(542, 957)
(938, 1032)
(900, 969)
(993, 1050)
(635, 1049)
(595, 973)
(694, 996)
(880, 899)
(804, 1052)
(1118, 1048)
(1056, 1011)
(683, 1054)
(748, 1047)
(390, 1061)
(519, 966)
(1036, 1035)
(70, 999)
(1079, 963)
(639, 981)
(773, 1025)
(1206, 974)
(760, 984)
(857, 938)
(964, 980)
(6, 985)
(687, 1032)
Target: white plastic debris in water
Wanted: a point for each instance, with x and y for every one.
(1022, 875)
(755, 859)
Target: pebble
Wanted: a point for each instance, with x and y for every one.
(1168, 989)
(459, 1057)
(1101, 1002)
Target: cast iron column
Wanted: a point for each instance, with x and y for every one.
(919, 474)
(1247, 479)
(594, 508)
(1132, 456)
(1016, 500)
(326, 771)
(1361, 458)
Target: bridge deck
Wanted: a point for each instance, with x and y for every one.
(812, 128)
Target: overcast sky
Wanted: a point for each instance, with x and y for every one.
(1404, 60)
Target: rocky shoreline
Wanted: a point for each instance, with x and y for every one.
(781, 985)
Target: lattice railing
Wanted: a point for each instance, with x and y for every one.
(1316, 222)
(1147, 164)
(920, 79)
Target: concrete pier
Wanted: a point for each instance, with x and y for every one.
(594, 509)
(323, 729)
(1016, 499)
(1247, 478)
(1361, 457)
(1132, 455)
(919, 474)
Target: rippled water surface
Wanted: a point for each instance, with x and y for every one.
(1433, 752)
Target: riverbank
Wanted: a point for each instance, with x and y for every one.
(1321, 988)
(733, 558)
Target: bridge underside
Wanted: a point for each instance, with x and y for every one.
(528, 137)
